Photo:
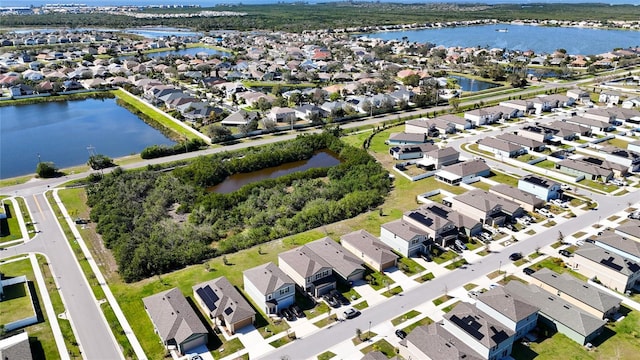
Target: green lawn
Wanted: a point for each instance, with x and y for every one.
(326, 355)
(456, 264)
(230, 347)
(283, 340)
(495, 274)
(448, 308)
(361, 305)
(481, 185)
(422, 322)
(470, 286)
(409, 266)
(378, 280)
(598, 185)
(393, 291)
(9, 227)
(619, 143)
(503, 178)
(425, 277)
(579, 234)
(41, 337)
(557, 265)
(383, 346)
(441, 299)
(16, 303)
(444, 257)
(404, 317)
(546, 164)
(326, 321)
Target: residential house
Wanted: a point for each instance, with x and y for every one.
(175, 321)
(582, 169)
(269, 287)
(632, 102)
(619, 243)
(438, 157)
(280, 114)
(619, 170)
(561, 100)
(543, 104)
(535, 133)
(434, 342)
(565, 130)
(542, 188)
(517, 315)
(608, 97)
(629, 159)
(612, 270)
(527, 143)
(500, 148)
(579, 95)
(464, 172)
(479, 330)
(373, 252)
(522, 106)
(593, 124)
(557, 314)
(405, 238)
(630, 229)
(527, 201)
(480, 117)
(487, 208)
(634, 146)
(458, 122)
(430, 127)
(224, 304)
(407, 152)
(578, 293)
(601, 114)
(308, 112)
(404, 138)
(434, 222)
(347, 267)
(507, 112)
(241, 117)
(15, 347)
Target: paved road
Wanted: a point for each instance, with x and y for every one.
(92, 331)
(324, 339)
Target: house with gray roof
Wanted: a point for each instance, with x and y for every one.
(224, 304)
(517, 315)
(269, 287)
(630, 229)
(314, 266)
(558, 314)
(16, 347)
(593, 124)
(625, 157)
(430, 127)
(542, 188)
(458, 122)
(463, 172)
(439, 157)
(528, 201)
(565, 130)
(240, 117)
(175, 321)
(407, 152)
(620, 244)
(618, 170)
(403, 237)
(501, 147)
(535, 133)
(484, 116)
(404, 138)
(527, 143)
(589, 298)
(436, 343)
(612, 270)
(487, 207)
(523, 106)
(373, 252)
(478, 330)
(585, 170)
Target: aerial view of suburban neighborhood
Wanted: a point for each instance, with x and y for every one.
(366, 180)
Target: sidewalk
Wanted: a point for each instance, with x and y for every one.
(133, 340)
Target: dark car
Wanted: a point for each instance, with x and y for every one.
(515, 256)
(564, 253)
(337, 295)
(528, 271)
(296, 310)
(401, 334)
(333, 302)
(288, 314)
(425, 257)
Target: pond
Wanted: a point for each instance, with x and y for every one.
(65, 132)
(468, 84)
(234, 182)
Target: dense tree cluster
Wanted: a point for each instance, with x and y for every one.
(143, 215)
(156, 151)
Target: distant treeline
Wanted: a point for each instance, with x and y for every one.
(299, 17)
(141, 214)
(156, 151)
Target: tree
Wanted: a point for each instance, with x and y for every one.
(455, 103)
(269, 125)
(411, 80)
(99, 161)
(252, 125)
(46, 169)
(359, 334)
(217, 133)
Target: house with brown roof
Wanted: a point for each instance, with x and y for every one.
(436, 343)
(373, 252)
(500, 147)
(175, 321)
(269, 287)
(577, 292)
(584, 169)
(517, 315)
(224, 304)
(527, 143)
(487, 207)
(527, 201)
(437, 157)
(403, 237)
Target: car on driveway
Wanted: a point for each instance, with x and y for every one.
(288, 315)
(350, 313)
(296, 310)
(528, 271)
(515, 256)
(337, 295)
(401, 334)
(564, 253)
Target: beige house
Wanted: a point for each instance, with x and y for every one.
(222, 302)
(609, 268)
(577, 293)
(373, 252)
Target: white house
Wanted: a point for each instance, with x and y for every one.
(517, 315)
(540, 187)
(269, 287)
(403, 237)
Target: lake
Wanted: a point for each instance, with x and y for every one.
(467, 84)
(236, 181)
(61, 132)
(189, 51)
(521, 37)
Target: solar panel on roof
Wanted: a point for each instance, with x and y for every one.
(208, 297)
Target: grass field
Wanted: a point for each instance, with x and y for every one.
(381, 345)
(43, 345)
(9, 227)
(557, 265)
(16, 303)
(404, 317)
(422, 322)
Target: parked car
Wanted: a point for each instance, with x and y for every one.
(286, 313)
(297, 311)
(401, 334)
(350, 313)
(528, 271)
(460, 245)
(337, 295)
(512, 228)
(473, 293)
(564, 253)
(565, 187)
(334, 303)
(558, 202)
(544, 212)
(426, 257)
(515, 256)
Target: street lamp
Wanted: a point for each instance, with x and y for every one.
(499, 267)
(369, 332)
(39, 160)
